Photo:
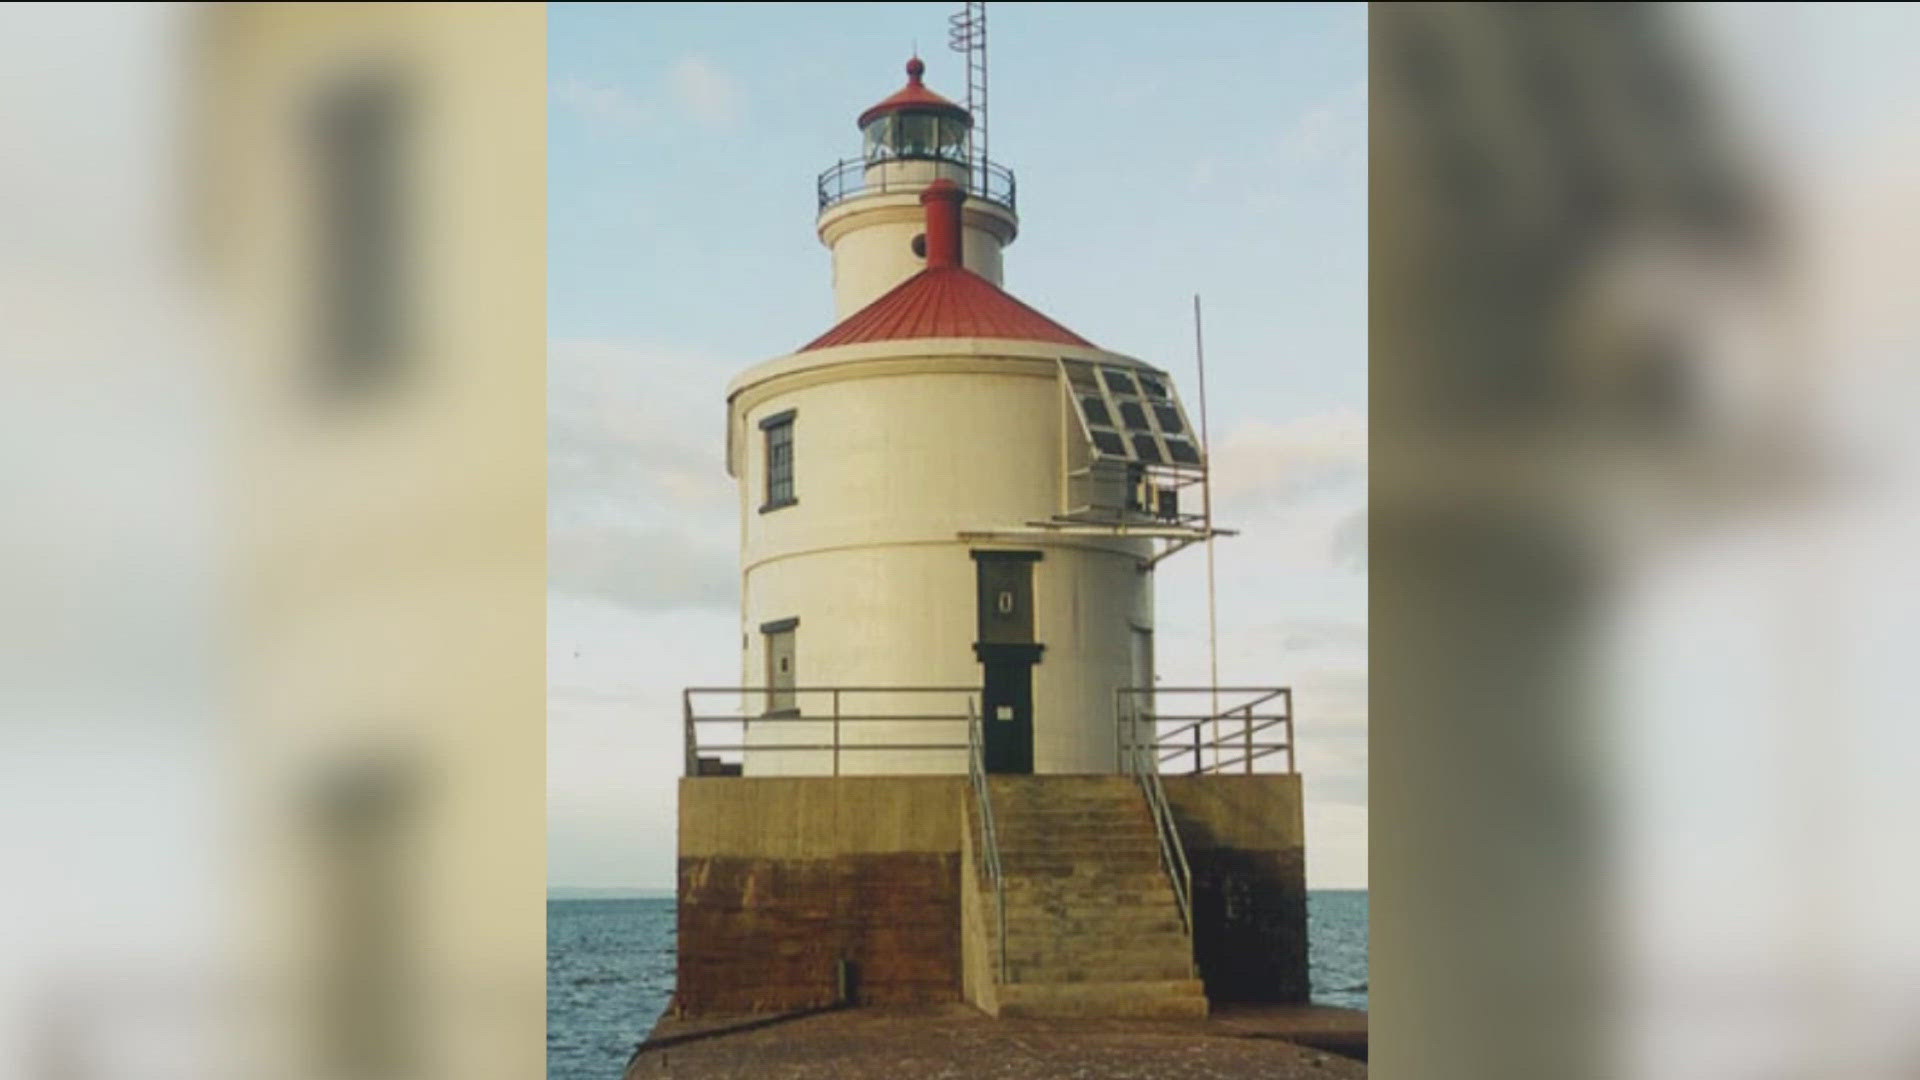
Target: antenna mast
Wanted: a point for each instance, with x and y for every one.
(1206, 495)
(967, 34)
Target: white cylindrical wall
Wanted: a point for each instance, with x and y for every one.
(893, 461)
(871, 234)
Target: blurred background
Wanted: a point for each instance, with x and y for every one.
(1642, 508)
(271, 755)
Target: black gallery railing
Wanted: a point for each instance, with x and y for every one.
(987, 181)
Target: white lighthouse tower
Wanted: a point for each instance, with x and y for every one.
(939, 777)
(947, 493)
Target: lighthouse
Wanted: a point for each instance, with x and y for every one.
(870, 216)
(948, 488)
(939, 776)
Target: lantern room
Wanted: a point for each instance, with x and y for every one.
(916, 124)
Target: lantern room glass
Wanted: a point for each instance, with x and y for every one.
(916, 135)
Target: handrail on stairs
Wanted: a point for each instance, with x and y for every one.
(989, 837)
(1140, 760)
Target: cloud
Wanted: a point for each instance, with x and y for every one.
(713, 97)
(611, 106)
(1260, 464)
(1349, 545)
(694, 89)
(640, 565)
(640, 510)
(1333, 132)
(1311, 634)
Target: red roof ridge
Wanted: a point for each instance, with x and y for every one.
(946, 302)
(915, 96)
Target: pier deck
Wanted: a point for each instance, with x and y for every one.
(958, 1041)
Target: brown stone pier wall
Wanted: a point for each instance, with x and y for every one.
(782, 878)
(1245, 841)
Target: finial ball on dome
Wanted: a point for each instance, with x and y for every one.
(915, 69)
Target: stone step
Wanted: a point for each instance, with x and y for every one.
(1070, 969)
(1079, 947)
(1048, 864)
(1158, 952)
(1113, 912)
(1062, 783)
(1041, 876)
(1098, 969)
(1080, 845)
(1089, 848)
(1130, 887)
(1013, 819)
(1136, 999)
(1093, 920)
(1075, 825)
(1043, 795)
(1055, 794)
(1016, 824)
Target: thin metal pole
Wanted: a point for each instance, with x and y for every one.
(1206, 499)
(1292, 766)
(692, 752)
(981, 118)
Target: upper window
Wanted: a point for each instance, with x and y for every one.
(359, 137)
(915, 135)
(779, 436)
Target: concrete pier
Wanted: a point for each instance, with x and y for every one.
(956, 1041)
(806, 892)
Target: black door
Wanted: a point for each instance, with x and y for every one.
(1006, 703)
(1007, 653)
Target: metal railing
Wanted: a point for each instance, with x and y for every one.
(834, 722)
(989, 835)
(986, 180)
(1235, 729)
(1137, 760)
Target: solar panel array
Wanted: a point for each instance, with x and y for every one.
(1131, 415)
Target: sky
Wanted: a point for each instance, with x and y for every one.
(1161, 151)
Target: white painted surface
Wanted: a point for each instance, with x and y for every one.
(871, 235)
(899, 448)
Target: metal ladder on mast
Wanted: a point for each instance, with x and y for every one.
(967, 35)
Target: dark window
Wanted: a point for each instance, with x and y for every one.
(1146, 448)
(779, 433)
(1109, 443)
(1154, 387)
(1183, 451)
(1096, 411)
(913, 135)
(1169, 419)
(1135, 417)
(1118, 381)
(359, 133)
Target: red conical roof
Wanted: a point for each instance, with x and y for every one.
(946, 302)
(917, 97)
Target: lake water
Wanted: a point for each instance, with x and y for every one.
(610, 972)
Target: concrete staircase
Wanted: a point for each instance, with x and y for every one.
(1093, 928)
